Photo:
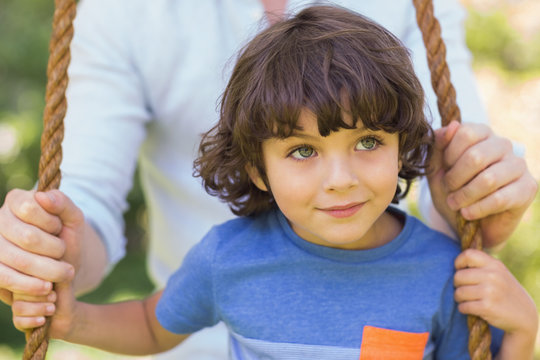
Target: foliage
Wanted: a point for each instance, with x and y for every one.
(25, 27)
(491, 39)
(522, 253)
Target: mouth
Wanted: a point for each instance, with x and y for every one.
(342, 211)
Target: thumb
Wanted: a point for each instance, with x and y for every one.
(471, 258)
(63, 319)
(443, 137)
(436, 160)
(72, 218)
(57, 203)
(6, 296)
(64, 291)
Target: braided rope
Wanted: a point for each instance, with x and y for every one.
(479, 333)
(53, 132)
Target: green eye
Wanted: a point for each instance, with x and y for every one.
(303, 152)
(367, 143)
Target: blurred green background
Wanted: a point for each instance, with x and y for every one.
(504, 37)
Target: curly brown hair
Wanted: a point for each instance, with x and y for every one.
(320, 59)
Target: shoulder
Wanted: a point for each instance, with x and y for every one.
(241, 225)
(244, 231)
(430, 252)
(432, 239)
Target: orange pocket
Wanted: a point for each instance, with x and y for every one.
(379, 344)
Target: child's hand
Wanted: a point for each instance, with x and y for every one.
(29, 311)
(486, 288)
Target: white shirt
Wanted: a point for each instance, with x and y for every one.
(145, 81)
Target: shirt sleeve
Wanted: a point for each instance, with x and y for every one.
(187, 303)
(105, 120)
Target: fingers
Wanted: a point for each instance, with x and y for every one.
(30, 314)
(443, 136)
(55, 202)
(472, 258)
(437, 170)
(31, 238)
(465, 136)
(468, 293)
(486, 288)
(23, 323)
(514, 195)
(475, 159)
(26, 224)
(29, 264)
(483, 176)
(479, 292)
(472, 289)
(489, 183)
(51, 297)
(472, 294)
(25, 207)
(32, 309)
(477, 278)
(29, 253)
(472, 307)
(14, 282)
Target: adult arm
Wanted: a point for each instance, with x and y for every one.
(104, 128)
(105, 120)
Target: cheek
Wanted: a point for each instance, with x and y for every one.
(291, 185)
(384, 174)
(287, 182)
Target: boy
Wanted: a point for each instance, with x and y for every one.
(321, 117)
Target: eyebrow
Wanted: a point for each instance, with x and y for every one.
(303, 135)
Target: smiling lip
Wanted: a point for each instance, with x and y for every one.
(343, 211)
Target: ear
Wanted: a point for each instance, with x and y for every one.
(255, 177)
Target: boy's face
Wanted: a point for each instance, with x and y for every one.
(334, 189)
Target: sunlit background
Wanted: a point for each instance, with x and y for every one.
(504, 37)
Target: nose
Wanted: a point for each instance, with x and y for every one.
(339, 175)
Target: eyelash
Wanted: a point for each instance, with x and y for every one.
(296, 148)
(378, 142)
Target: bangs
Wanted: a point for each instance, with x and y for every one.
(329, 78)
